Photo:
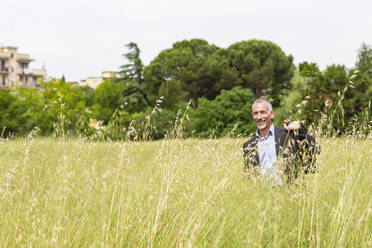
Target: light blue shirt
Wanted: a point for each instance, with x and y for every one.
(267, 155)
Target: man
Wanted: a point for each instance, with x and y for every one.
(275, 152)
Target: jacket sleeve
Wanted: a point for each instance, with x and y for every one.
(245, 157)
(299, 134)
(250, 155)
(307, 148)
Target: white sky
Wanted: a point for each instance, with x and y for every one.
(81, 38)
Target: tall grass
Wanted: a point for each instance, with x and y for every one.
(178, 193)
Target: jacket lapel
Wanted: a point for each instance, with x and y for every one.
(257, 157)
(254, 156)
(281, 137)
(277, 139)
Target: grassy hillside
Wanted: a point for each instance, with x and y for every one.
(181, 193)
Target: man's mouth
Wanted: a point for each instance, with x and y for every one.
(261, 124)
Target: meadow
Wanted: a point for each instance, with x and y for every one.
(178, 193)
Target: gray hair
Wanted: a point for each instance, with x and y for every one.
(263, 100)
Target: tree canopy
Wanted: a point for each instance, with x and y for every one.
(262, 67)
(191, 69)
(222, 83)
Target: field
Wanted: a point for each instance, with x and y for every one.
(178, 193)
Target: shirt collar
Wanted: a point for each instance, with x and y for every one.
(271, 132)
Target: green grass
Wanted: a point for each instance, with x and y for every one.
(180, 193)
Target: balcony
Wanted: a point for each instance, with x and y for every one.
(4, 55)
(23, 57)
(4, 69)
(39, 72)
(24, 71)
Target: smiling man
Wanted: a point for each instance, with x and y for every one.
(275, 152)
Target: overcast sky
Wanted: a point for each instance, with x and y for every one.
(82, 38)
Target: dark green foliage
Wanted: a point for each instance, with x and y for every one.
(148, 125)
(335, 98)
(64, 108)
(107, 98)
(133, 92)
(89, 94)
(290, 105)
(56, 105)
(12, 118)
(152, 102)
(363, 81)
(262, 67)
(308, 70)
(191, 69)
(134, 96)
(364, 60)
(133, 70)
(229, 113)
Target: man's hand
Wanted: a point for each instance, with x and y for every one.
(291, 125)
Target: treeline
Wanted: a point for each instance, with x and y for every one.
(196, 89)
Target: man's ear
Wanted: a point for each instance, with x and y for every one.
(272, 114)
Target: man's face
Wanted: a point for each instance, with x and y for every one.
(261, 115)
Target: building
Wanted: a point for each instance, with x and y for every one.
(73, 83)
(93, 82)
(15, 69)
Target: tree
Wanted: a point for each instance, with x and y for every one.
(64, 105)
(133, 91)
(336, 92)
(88, 93)
(262, 67)
(308, 70)
(191, 69)
(364, 60)
(290, 103)
(12, 117)
(107, 98)
(56, 103)
(230, 112)
(134, 69)
(363, 81)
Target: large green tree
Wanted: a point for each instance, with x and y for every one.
(229, 112)
(363, 81)
(191, 69)
(65, 108)
(364, 60)
(134, 68)
(334, 97)
(262, 67)
(14, 117)
(56, 105)
(107, 98)
(131, 77)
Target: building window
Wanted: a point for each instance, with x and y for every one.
(12, 55)
(22, 65)
(3, 80)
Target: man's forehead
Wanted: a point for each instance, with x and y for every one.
(260, 105)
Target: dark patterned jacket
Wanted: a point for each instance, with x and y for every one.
(295, 148)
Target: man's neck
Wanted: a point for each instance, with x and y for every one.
(263, 132)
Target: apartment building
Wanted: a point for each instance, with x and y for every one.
(15, 69)
(93, 82)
